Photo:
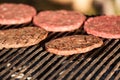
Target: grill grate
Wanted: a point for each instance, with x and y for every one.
(35, 62)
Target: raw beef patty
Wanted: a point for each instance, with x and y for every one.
(73, 44)
(103, 26)
(59, 21)
(16, 13)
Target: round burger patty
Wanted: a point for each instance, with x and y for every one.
(73, 44)
(103, 26)
(59, 21)
(11, 13)
(21, 37)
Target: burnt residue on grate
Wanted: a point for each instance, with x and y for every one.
(35, 63)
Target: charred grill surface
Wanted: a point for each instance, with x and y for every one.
(35, 62)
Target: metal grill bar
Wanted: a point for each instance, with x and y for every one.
(82, 64)
(59, 71)
(98, 59)
(7, 55)
(2, 52)
(45, 59)
(51, 70)
(114, 69)
(118, 76)
(108, 66)
(5, 65)
(64, 73)
(37, 66)
(9, 58)
(36, 63)
(65, 35)
(23, 62)
(67, 70)
(43, 70)
(94, 63)
(13, 64)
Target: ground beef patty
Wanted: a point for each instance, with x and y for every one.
(73, 44)
(59, 21)
(21, 37)
(16, 13)
(103, 26)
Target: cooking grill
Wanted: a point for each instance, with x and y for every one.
(36, 63)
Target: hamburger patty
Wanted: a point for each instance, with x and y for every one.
(11, 13)
(73, 44)
(103, 26)
(59, 21)
(21, 37)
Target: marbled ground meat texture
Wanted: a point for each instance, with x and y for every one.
(74, 44)
(103, 26)
(21, 37)
(59, 21)
(11, 13)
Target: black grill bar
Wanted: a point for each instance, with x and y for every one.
(81, 66)
(44, 67)
(51, 70)
(99, 66)
(15, 62)
(76, 63)
(64, 64)
(2, 52)
(24, 62)
(118, 76)
(36, 63)
(6, 51)
(108, 65)
(8, 59)
(37, 66)
(114, 69)
(98, 59)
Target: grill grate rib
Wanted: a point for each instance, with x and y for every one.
(113, 70)
(23, 63)
(84, 63)
(118, 76)
(36, 63)
(98, 59)
(17, 61)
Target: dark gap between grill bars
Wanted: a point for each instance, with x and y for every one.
(62, 67)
